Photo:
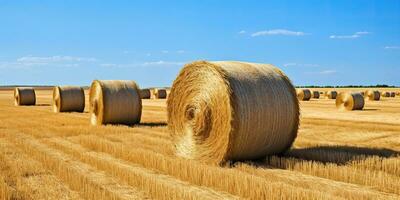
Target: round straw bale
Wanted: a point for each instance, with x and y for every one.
(145, 93)
(115, 102)
(315, 94)
(331, 94)
(392, 94)
(372, 95)
(68, 99)
(362, 93)
(350, 101)
(303, 94)
(226, 110)
(385, 94)
(161, 93)
(24, 96)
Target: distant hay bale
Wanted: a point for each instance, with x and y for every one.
(350, 101)
(362, 93)
(115, 102)
(385, 94)
(372, 95)
(392, 94)
(331, 94)
(24, 96)
(220, 111)
(161, 93)
(145, 93)
(303, 94)
(68, 99)
(315, 95)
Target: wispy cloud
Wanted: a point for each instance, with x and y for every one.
(300, 65)
(392, 47)
(353, 36)
(160, 63)
(242, 32)
(278, 32)
(327, 72)
(54, 59)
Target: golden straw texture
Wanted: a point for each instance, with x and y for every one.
(315, 94)
(331, 94)
(145, 93)
(161, 93)
(24, 96)
(392, 94)
(226, 110)
(350, 101)
(303, 94)
(115, 102)
(68, 99)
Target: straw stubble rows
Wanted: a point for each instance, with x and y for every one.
(59, 156)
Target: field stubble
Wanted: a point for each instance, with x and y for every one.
(337, 155)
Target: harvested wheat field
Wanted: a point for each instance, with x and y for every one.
(336, 155)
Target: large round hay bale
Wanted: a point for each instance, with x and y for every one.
(68, 99)
(372, 95)
(24, 96)
(220, 111)
(115, 102)
(145, 93)
(331, 94)
(161, 93)
(350, 101)
(392, 94)
(303, 94)
(315, 95)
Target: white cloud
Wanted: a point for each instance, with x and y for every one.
(242, 32)
(161, 62)
(278, 32)
(392, 47)
(327, 72)
(53, 59)
(353, 36)
(300, 65)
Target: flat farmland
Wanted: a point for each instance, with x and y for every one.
(336, 155)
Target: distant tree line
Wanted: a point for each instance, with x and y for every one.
(348, 86)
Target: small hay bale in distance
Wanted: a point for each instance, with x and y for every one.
(145, 93)
(392, 94)
(228, 111)
(331, 94)
(161, 93)
(24, 96)
(68, 99)
(115, 102)
(372, 95)
(350, 101)
(385, 94)
(315, 95)
(303, 94)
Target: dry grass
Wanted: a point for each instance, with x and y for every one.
(337, 155)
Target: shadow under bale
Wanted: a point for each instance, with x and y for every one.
(339, 154)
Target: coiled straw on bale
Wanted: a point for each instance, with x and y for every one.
(161, 93)
(115, 102)
(145, 93)
(303, 94)
(350, 101)
(372, 95)
(24, 96)
(331, 94)
(220, 111)
(68, 99)
(315, 94)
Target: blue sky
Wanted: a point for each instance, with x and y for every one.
(314, 42)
